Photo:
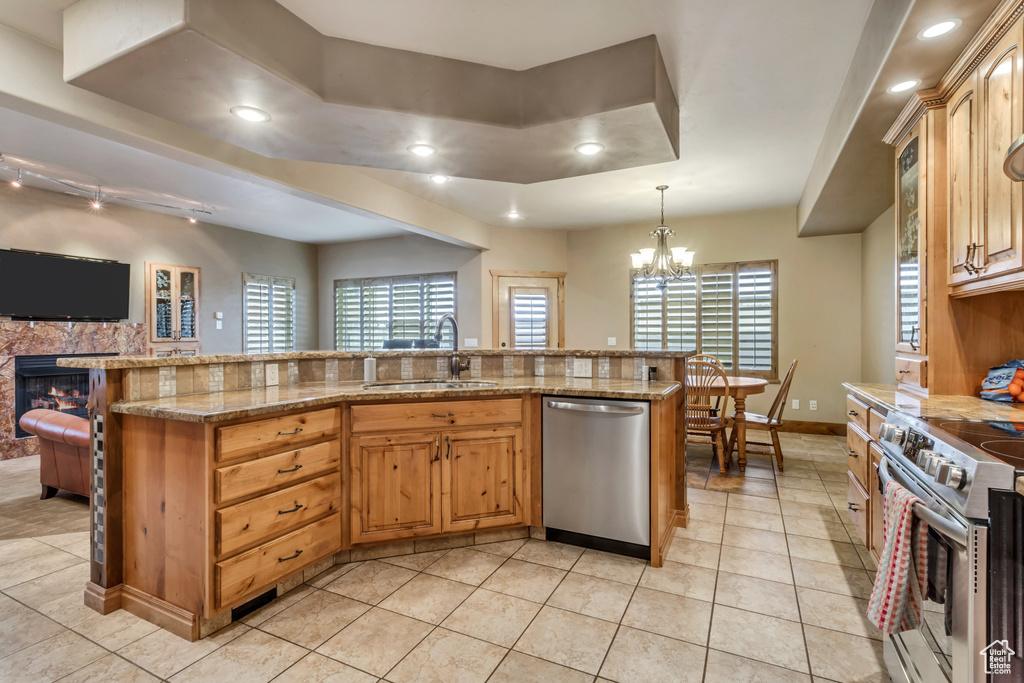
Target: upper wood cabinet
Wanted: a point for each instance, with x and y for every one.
(910, 237)
(985, 222)
(172, 308)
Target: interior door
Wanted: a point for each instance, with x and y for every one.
(482, 479)
(396, 486)
(528, 310)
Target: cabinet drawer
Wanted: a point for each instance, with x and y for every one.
(439, 415)
(857, 452)
(254, 571)
(276, 433)
(857, 507)
(243, 479)
(875, 420)
(912, 371)
(857, 412)
(277, 513)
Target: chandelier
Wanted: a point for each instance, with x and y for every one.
(663, 264)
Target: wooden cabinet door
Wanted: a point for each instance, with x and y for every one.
(875, 504)
(857, 507)
(395, 484)
(186, 303)
(962, 127)
(172, 306)
(910, 249)
(999, 199)
(482, 478)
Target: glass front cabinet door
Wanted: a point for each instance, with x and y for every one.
(172, 308)
(910, 232)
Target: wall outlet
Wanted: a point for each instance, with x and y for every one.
(796, 404)
(582, 367)
(813, 405)
(470, 342)
(271, 371)
(611, 341)
(220, 324)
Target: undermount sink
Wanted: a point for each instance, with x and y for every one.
(426, 386)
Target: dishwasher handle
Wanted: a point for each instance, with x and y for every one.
(596, 408)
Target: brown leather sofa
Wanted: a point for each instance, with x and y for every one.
(63, 450)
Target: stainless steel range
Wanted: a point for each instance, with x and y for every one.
(961, 470)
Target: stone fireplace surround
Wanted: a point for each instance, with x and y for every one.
(19, 338)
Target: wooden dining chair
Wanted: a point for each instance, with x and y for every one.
(709, 358)
(705, 407)
(770, 422)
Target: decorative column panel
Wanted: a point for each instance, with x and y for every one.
(103, 592)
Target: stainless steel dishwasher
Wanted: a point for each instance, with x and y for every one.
(597, 473)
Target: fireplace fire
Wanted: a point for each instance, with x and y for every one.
(39, 383)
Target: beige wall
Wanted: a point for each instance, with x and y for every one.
(819, 294)
(878, 299)
(511, 249)
(55, 222)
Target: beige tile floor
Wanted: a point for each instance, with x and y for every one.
(765, 584)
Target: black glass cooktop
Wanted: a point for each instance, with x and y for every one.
(1002, 440)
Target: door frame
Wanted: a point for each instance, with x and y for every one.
(560, 297)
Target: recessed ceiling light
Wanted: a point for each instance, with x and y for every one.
(903, 86)
(439, 179)
(513, 214)
(421, 150)
(589, 148)
(250, 114)
(939, 29)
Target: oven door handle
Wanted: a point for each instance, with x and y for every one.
(952, 531)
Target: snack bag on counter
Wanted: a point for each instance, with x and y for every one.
(1004, 382)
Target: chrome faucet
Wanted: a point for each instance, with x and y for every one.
(455, 365)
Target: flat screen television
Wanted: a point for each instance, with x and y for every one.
(40, 286)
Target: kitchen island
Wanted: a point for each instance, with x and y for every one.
(208, 496)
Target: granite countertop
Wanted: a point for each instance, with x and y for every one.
(230, 405)
(950, 407)
(128, 362)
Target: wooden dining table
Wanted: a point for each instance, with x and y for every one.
(739, 389)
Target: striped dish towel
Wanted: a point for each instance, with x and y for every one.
(896, 597)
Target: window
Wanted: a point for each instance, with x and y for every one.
(369, 312)
(529, 311)
(269, 306)
(728, 310)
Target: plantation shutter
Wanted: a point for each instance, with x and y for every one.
(648, 316)
(368, 313)
(256, 302)
(755, 316)
(716, 314)
(529, 318)
(438, 299)
(729, 310)
(348, 314)
(269, 310)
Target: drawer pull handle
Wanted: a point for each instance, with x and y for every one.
(290, 557)
(851, 506)
(445, 415)
(291, 433)
(903, 372)
(298, 506)
(853, 454)
(852, 413)
(293, 469)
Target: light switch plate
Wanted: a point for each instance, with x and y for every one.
(796, 404)
(220, 324)
(611, 341)
(272, 379)
(471, 342)
(582, 367)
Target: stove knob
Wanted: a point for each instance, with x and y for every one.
(923, 455)
(892, 434)
(950, 475)
(933, 462)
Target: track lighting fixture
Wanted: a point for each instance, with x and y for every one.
(96, 203)
(17, 183)
(192, 218)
